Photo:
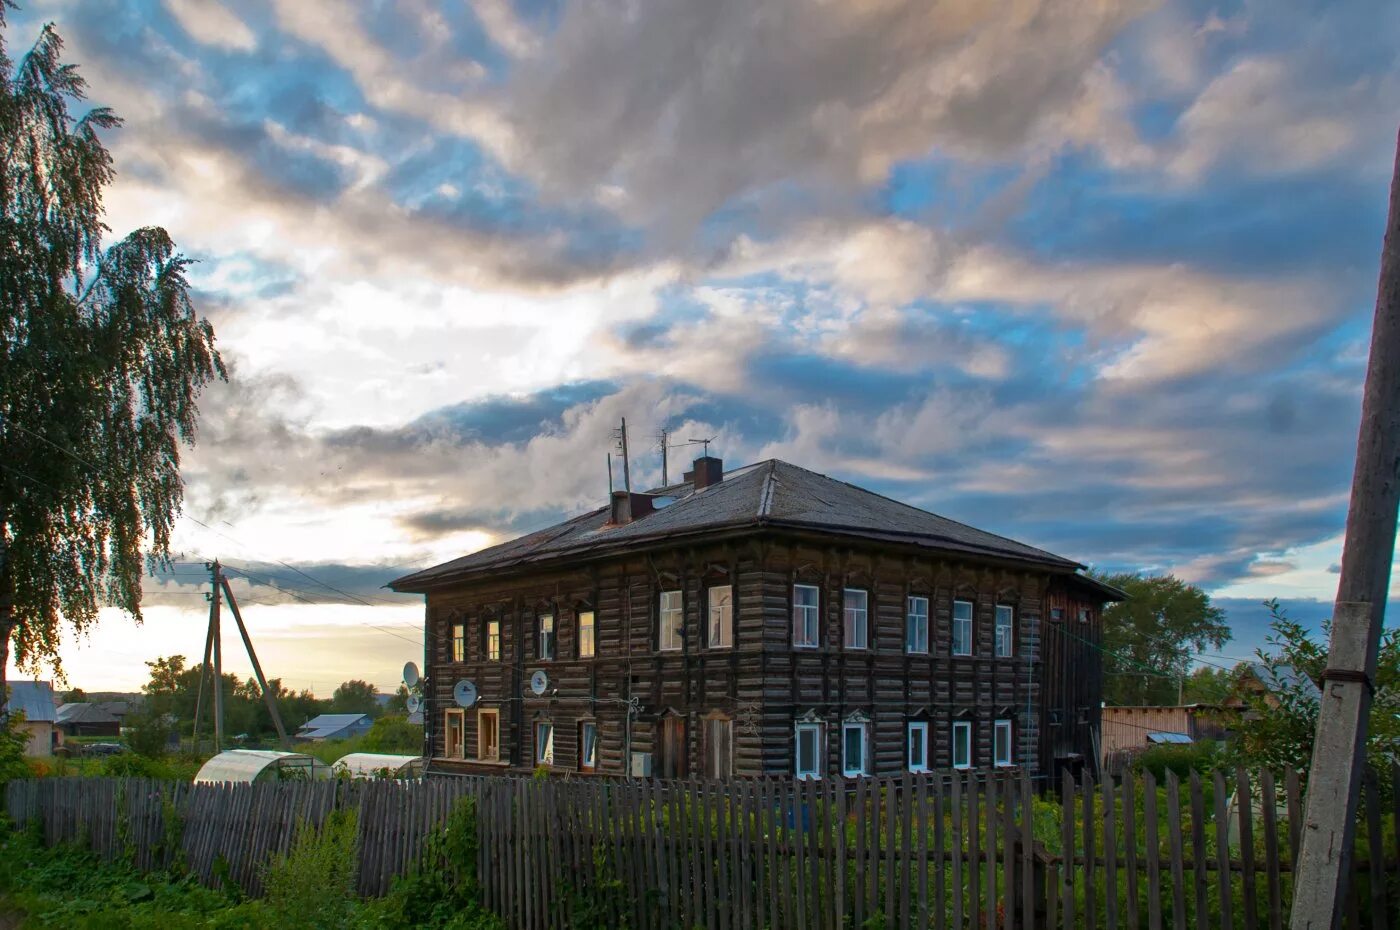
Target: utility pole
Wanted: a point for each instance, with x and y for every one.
(1339, 748)
(213, 651)
(215, 578)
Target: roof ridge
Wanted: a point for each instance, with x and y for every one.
(929, 513)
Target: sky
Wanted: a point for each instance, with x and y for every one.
(1093, 274)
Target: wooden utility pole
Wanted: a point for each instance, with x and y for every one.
(626, 462)
(215, 577)
(1339, 748)
(213, 650)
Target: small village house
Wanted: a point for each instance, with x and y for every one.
(1127, 731)
(88, 719)
(761, 621)
(334, 726)
(35, 700)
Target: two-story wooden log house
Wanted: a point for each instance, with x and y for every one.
(763, 621)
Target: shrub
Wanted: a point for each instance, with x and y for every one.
(1183, 759)
(13, 739)
(313, 884)
(392, 733)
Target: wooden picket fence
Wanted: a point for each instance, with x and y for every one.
(951, 850)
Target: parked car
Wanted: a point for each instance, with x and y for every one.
(104, 749)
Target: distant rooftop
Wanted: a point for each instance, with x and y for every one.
(770, 493)
(34, 699)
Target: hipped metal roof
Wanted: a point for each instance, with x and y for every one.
(772, 493)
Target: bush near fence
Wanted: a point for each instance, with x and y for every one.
(949, 850)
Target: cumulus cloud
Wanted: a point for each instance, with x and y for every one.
(212, 23)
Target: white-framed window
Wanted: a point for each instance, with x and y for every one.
(546, 622)
(916, 624)
(459, 642)
(488, 734)
(720, 630)
(918, 746)
(452, 727)
(1001, 742)
(544, 743)
(587, 634)
(1084, 615)
(962, 744)
(719, 747)
(806, 624)
(856, 613)
(1005, 627)
(588, 746)
(493, 640)
(962, 628)
(854, 746)
(670, 635)
(808, 737)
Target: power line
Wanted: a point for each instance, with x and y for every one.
(276, 587)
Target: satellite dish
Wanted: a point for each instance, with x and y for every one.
(539, 681)
(414, 703)
(464, 693)
(410, 674)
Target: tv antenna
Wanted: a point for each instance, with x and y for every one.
(213, 648)
(696, 442)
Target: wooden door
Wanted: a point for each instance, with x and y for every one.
(672, 762)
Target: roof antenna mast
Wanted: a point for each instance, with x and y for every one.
(622, 447)
(662, 436)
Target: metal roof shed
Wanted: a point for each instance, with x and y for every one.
(374, 764)
(260, 765)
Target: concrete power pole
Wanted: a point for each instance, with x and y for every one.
(1334, 778)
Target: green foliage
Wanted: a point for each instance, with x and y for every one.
(147, 733)
(131, 765)
(442, 890)
(102, 360)
(1278, 728)
(1208, 685)
(392, 733)
(173, 690)
(1203, 757)
(1149, 638)
(398, 702)
(355, 697)
(312, 885)
(591, 906)
(13, 739)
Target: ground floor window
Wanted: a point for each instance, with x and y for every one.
(544, 743)
(918, 746)
(452, 733)
(719, 747)
(962, 745)
(588, 746)
(853, 743)
(488, 735)
(1001, 743)
(809, 744)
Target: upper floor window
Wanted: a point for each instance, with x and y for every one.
(857, 621)
(671, 616)
(853, 748)
(493, 640)
(1057, 614)
(809, 750)
(720, 629)
(1001, 742)
(918, 746)
(806, 625)
(586, 643)
(546, 622)
(1083, 615)
(459, 642)
(962, 628)
(916, 625)
(962, 745)
(1005, 625)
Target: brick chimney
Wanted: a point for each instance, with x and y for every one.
(706, 471)
(628, 506)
